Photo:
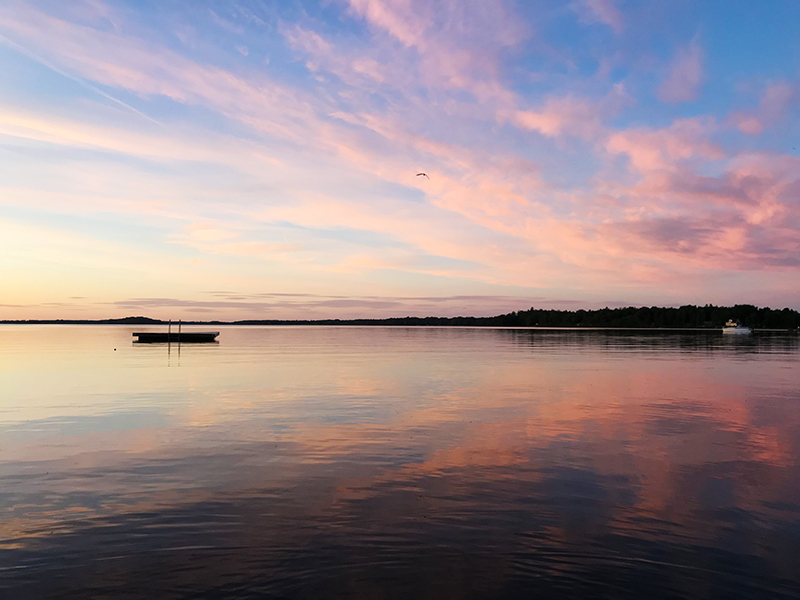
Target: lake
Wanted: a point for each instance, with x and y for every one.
(359, 462)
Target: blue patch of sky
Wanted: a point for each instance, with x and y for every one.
(335, 20)
(396, 191)
(109, 227)
(538, 72)
(780, 140)
(28, 82)
(587, 66)
(743, 44)
(358, 237)
(740, 40)
(200, 176)
(168, 111)
(565, 163)
(378, 103)
(619, 73)
(214, 33)
(751, 39)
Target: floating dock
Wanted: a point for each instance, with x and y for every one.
(186, 337)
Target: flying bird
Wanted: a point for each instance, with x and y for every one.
(425, 174)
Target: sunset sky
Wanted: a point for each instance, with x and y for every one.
(258, 159)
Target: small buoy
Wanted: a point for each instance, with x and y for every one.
(115, 349)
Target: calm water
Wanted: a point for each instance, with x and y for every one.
(399, 463)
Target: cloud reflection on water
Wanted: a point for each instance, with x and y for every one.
(453, 462)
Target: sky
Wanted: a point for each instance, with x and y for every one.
(257, 159)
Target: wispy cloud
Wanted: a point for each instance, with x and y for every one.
(685, 75)
(601, 11)
(4, 40)
(288, 139)
(775, 102)
(313, 306)
(581, 117)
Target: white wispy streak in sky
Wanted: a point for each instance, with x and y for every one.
(157, 151)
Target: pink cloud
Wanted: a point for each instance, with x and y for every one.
(124, 62)
(559, 116)
(660, 149)
(679, 211)
(580, 117)
(404, 20)
(749, 124)
(742, 219)
(685, 76)
(146, 71)
(600, 11)
(772, 108)
(461, 55)
(776, 100)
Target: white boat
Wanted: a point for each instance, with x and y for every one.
(733, 327)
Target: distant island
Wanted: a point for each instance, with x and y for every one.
(689, 316)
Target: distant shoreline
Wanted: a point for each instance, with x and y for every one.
(687, 317)
(377, 325)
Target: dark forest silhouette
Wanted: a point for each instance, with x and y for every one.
(688, 316)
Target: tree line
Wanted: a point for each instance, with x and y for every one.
(689, 316)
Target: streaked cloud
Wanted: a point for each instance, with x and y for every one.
(249, 144)
(319, 306)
